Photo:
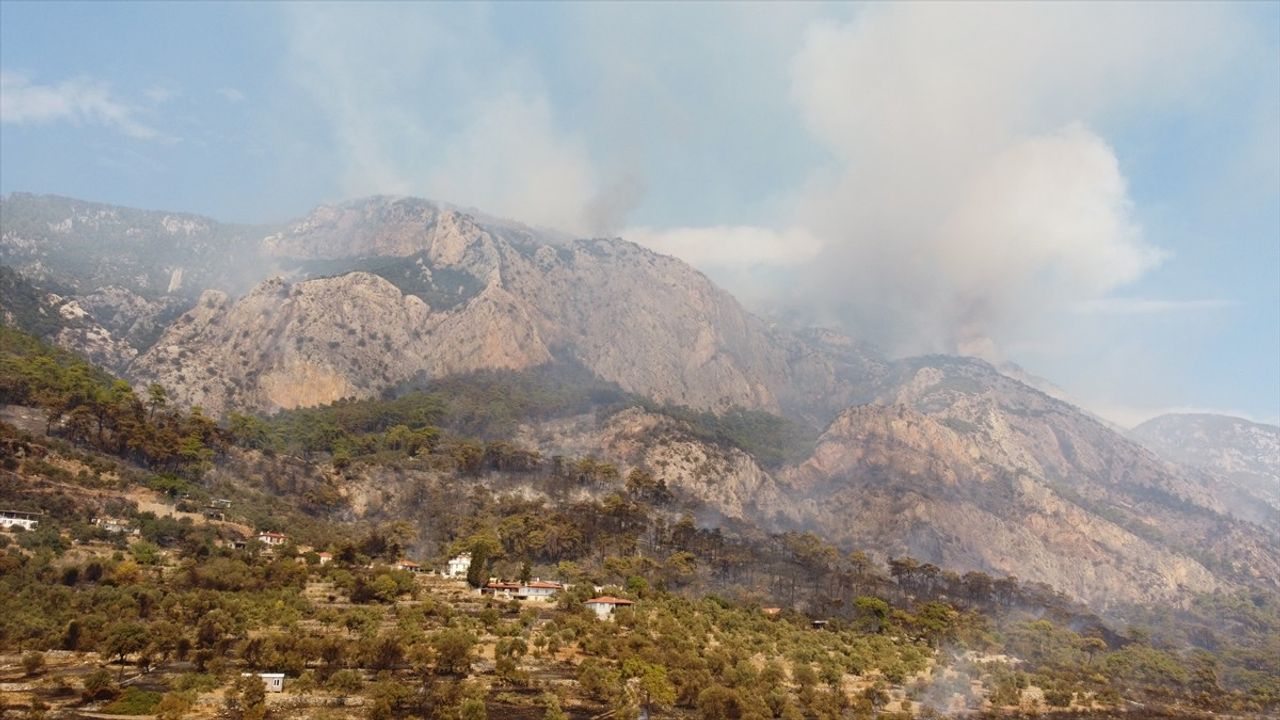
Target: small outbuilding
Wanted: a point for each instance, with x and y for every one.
(271, 682)
(114, 525)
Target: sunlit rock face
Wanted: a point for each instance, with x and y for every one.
(430, 290)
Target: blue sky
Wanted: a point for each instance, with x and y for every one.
(1091, 192)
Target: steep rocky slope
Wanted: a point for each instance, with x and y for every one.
(961, 466)
(1243, 457)
(729, 481)
(308, 343)
(967, 468)
(942, 458)
(484, 298)
(901, 482)
(62, 320)
(76, 247)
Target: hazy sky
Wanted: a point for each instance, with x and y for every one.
(1091, 191)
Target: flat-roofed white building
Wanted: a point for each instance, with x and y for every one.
(271, 682)
(19, 518)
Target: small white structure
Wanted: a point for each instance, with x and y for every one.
(459, 566)
(272, 539)
(114, 525)
(325, 558)
(271, 682)
(604, 606)
(18, 518)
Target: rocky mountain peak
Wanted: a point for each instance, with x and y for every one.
(378, 226)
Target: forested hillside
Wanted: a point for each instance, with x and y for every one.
(428, 472)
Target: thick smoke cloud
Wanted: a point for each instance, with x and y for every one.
(969, 193)
(928, 177)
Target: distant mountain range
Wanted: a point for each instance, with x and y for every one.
(1242, 456)
(947, 459)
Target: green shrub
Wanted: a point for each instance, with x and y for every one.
(134, 702)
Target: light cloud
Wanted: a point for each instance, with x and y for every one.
(436, 108)
(1147, 306)
(79, 100)
(1131, 416)
(159, 94)
(231, 94)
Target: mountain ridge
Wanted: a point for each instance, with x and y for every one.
(944, 458)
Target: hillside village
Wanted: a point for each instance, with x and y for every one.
(236, 586)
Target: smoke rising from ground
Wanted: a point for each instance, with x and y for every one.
(965, 192)
(969, 193)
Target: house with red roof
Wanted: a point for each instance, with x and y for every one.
(408, 566)
(536, 589)
(604, 605)
(271, 538)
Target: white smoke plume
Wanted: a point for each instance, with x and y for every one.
(970, 193)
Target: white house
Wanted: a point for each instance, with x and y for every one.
(325, 558)
(271, 682)
(604, 605)
(533, 590)
(272, 539)
(459, 566)
(539, 589)
(18, 518)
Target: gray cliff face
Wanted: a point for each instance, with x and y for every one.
(61, 320)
